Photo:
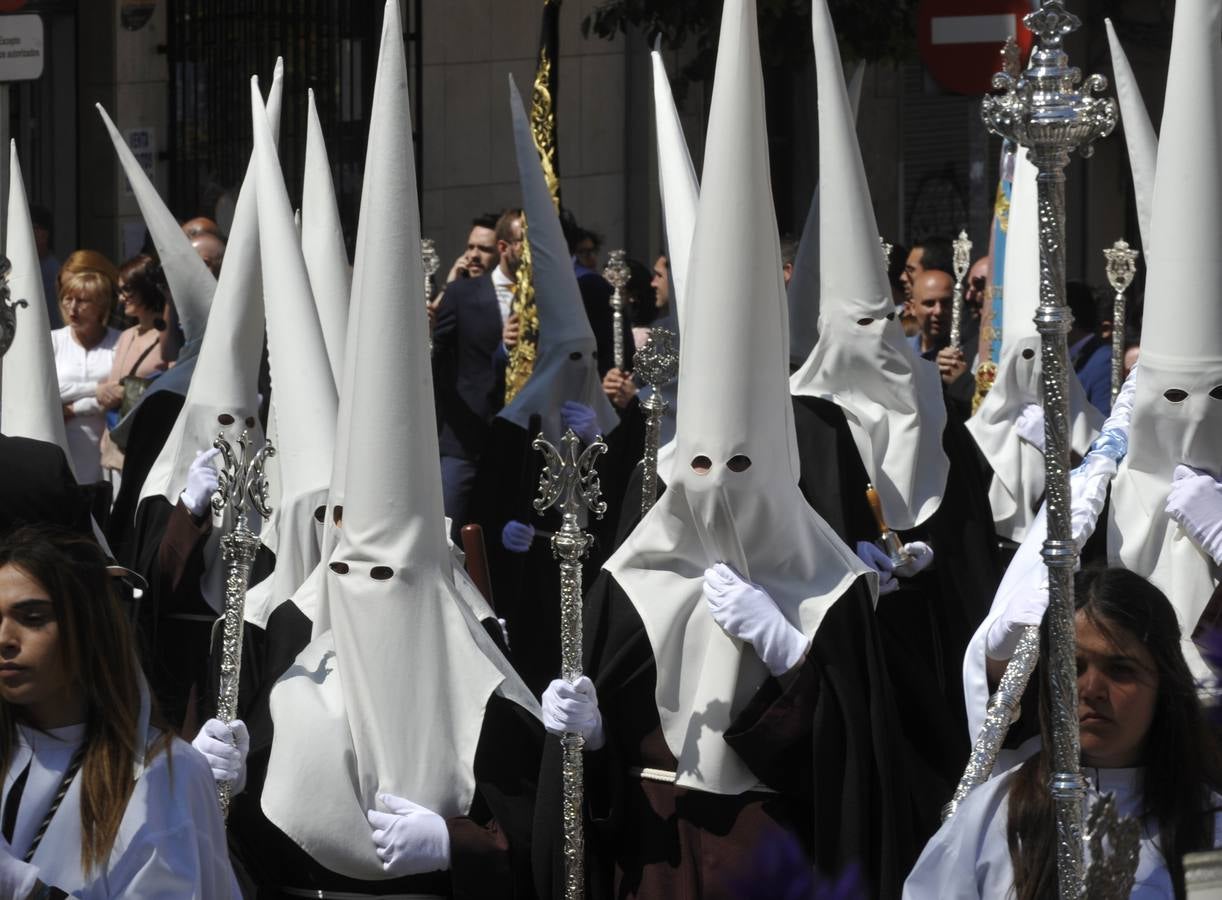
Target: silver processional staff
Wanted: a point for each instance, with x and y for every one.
(657, 363)
(569, 481)
(240, 481)
(617, 274)
(962, 261)
(1121, 267)
(1045, 110)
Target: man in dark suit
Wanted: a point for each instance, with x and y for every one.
(472, 332)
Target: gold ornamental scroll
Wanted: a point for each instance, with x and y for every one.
(543, 129)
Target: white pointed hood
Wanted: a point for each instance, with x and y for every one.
(565, 367)
(392, 698)
(1177, 409)
(680, 193)
(803, 287)
(1017, 485)
(191, 283)
(322, 244)
(676, 180)
(225, 379)
(223, 396)
(1139, 136)
(747, 509)
(302, 385)
(862, 361)
(29, 388)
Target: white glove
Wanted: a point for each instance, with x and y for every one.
(1195, 502)
(225, 747)
(881, 563)
(1088, 485)
(922, 556)
(410, 839)
(201, 482)
(573, 708)
(1030, 425)
(1025, 609)
(745, 611)
(17, 878)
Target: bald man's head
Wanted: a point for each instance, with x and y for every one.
(932, 296)
(211, 250)
(201, 225)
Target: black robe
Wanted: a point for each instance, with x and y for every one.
(176, 627)
(927, 623)
(490, 854)
(37, 487)
(823, 740)
(151, 424)
(490, 847)
(526, 586)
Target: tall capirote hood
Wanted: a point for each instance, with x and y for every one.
(1139, 136)
(680, 193)
(29, 388)
(862, 361)
(1017, 482)
(803, 287)
(390, 698)
(565, 367)
(191, 284)
(303, 388)
(322, 243)
(1177, 408)
(733, 494)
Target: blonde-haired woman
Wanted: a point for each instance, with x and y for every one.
(84, 355)
(100, 800)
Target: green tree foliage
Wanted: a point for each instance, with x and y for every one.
(868, 29)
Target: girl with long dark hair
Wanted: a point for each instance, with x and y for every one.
(99, 799)
(1144, 739)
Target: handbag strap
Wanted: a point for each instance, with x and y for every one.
(140, 358)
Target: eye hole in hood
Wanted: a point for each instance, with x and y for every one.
(739, 463)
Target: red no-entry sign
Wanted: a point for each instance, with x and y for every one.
(960, 40)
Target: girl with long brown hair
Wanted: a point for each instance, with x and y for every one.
(99, 799)
(1144, 738)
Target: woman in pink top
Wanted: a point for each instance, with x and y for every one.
(138, 352)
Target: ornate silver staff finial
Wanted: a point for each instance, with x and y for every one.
(657, 363)
(570, 482)
(1121, 267)
(241, 481)
(617, 274)
(8, 308)
(1111, 875)
(1011, 57)
(431, 262)
(886, 248)
(1044, 110)
(962, 262)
